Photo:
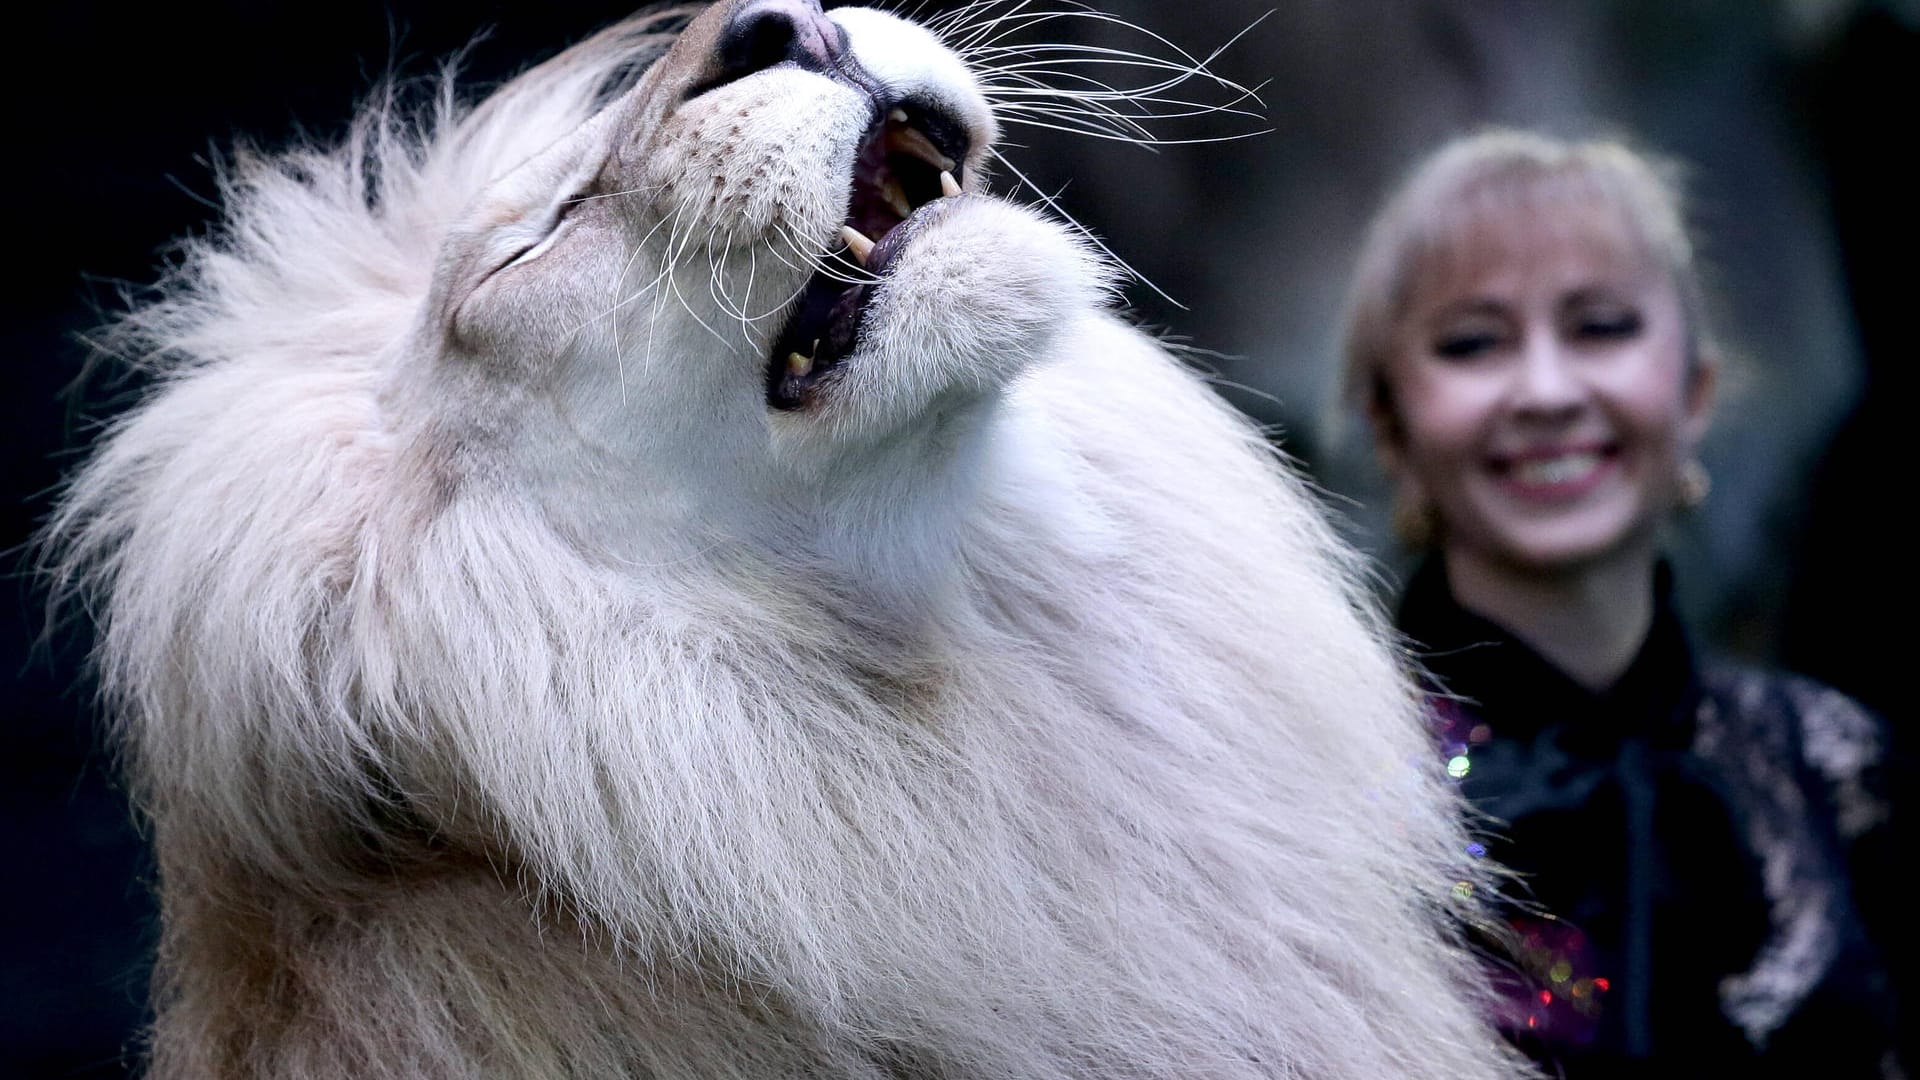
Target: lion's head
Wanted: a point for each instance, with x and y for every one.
(713, 301)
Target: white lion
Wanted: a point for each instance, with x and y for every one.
(659, 575)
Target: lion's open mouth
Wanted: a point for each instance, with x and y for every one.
(909, 158)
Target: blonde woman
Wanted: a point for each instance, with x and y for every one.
(1527, 338)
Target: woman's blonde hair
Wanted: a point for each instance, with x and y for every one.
(1503, 173)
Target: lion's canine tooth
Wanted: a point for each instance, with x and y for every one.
(896, 198)
(898, 116)
(857, 243)
(915, 142)
(948, 185)
(798, 365)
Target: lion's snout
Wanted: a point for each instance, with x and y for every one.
(746, 37)
(762, 33)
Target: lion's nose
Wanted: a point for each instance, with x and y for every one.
(763, 33)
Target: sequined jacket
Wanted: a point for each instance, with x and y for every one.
(1689, 849)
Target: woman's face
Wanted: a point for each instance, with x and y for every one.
(1541, 398)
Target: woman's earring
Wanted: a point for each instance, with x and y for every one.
(1695, 484)
(1415, 524)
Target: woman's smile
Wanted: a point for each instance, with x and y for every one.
(1554, 474)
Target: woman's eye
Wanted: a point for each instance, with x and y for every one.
(1608, 327)
(1465, 346)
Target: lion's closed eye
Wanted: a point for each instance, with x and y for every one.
(530, 237)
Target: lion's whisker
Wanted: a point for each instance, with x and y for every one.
(620, 351)
(1053, 204)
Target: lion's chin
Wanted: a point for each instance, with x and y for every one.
(904, 170)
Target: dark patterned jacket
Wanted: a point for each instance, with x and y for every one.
(1690, 846)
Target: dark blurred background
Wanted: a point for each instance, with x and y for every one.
(1788, 113)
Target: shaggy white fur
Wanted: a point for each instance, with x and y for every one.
(515, 690)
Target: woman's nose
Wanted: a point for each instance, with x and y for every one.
(1546, 380)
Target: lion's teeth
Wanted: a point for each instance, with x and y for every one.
(857, 243)
(898, 116)
(798, 365)
(914, 141)
(896, 198)
(948, 185)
